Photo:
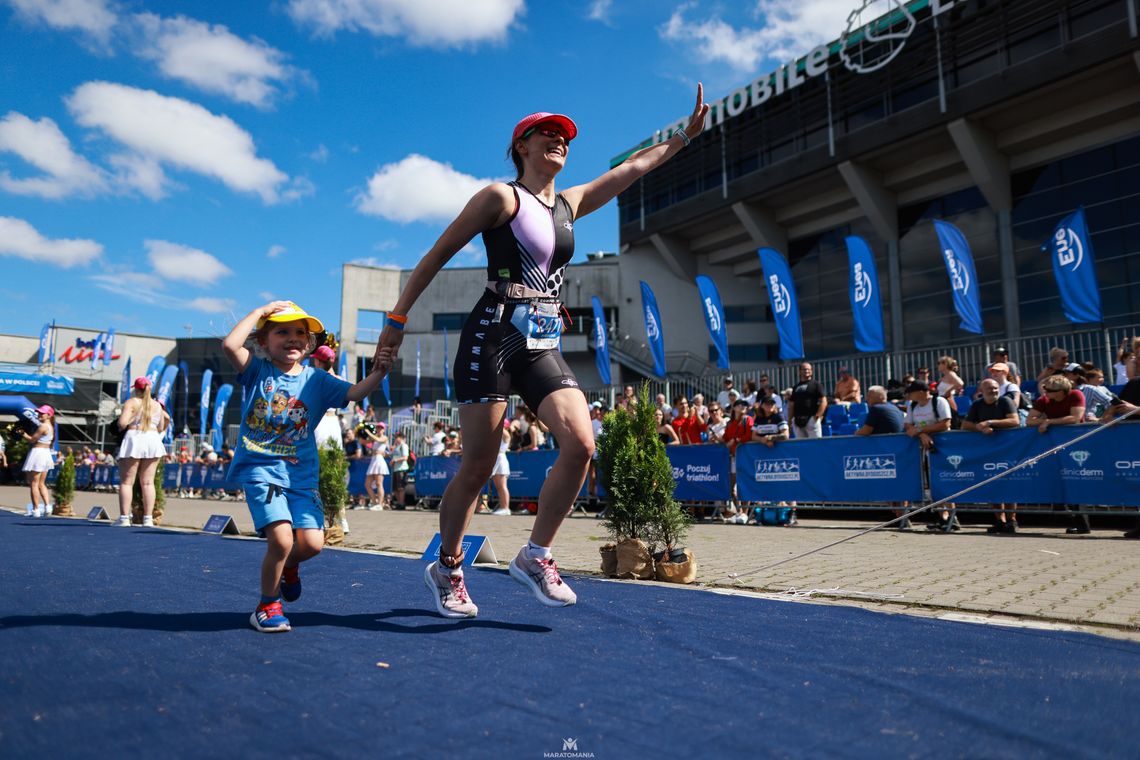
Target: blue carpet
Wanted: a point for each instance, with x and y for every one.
(129, 642)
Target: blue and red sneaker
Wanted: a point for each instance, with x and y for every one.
(269, 618)
(291, 584)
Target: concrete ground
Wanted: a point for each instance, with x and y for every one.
(1040, 577)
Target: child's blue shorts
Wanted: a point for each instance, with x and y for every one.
(270, 503)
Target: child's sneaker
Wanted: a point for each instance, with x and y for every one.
(291, 584)
(124, 521)
(450, 593)
(269, 618)
(541, 576)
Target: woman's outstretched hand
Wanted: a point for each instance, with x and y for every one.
(387, 349)
(696, 123)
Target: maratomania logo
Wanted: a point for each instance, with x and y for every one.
(777, 470)
(867, 47)
(959, 277)
(569, 749)
(651, 328)
(863, 287)
(1070, 252)
(1080, 472)
(781, 299)
(714, 315)
(873, 467)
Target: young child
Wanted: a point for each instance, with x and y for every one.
(276, 458)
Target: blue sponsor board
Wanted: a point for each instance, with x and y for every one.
(528, 472)
(358, 471)
(700, 471)
(434, 473)
(18, 382)
(863, 469)
(474, 548)
(1103, 469)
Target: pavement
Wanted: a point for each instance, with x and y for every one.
(1040, 577)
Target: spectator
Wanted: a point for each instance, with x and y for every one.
(536, 433)
(698, 404)
(400, 467)
(1127, 401)
(926, 416)
(453, 446)
(738, 430)
(749, 393)
(520, 429)
(767, 389)
(665, 431)
(328, 429)
(39, 461)
(1060, 404)
(686, 422)
(1058, 360)
(847, 388)
(1133, 365)
(597, 414)
(1123, 358)
(377, 435)
(144, 422)
(664, 407)
(353, 451)
(1001, 355)
(994, 411)
(716, 423)
(883, 418)
(4, 461)
(769, 427)
(733, 397)
(1091, 385)
(808, 405)
(1000, 373)
(949, 386)
(922, 375)
(501, 472)
(722, 397)
(435, 441)
(629, 395)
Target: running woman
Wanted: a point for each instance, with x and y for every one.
(276, 454)
(40, 461)
(510, 341)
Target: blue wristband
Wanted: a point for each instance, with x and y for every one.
(389, 322)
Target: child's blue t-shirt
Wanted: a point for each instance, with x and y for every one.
(275, 443)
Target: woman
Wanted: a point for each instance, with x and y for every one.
(144, 422)
(510, 341)
(1060, 404)
(39, 461)
(378, 466)
(1058, 360)
(502, 471)
(665, 431)
(950, 385)
(328, 429)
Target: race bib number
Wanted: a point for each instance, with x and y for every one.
(540, 324)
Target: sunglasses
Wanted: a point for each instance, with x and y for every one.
(546, 132)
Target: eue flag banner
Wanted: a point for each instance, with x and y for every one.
(714, 318)
(204, 403)
(963, 280)
(1072, 256)
(782, 293)
(601, 345)
(866, 304)
(653, 328)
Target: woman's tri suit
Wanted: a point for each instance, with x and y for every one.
(510, 341)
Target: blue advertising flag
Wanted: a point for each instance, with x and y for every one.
(387, 390)
(1074, 268)
(125, 383)
(963, 280)
(361, 372)
(45, 353)
(714, 318)
(866, 305)
(446, 381)
(601, 343)
(785, 310)
(109, 347)
(166, 385)
(154, 370)
(184, 371)
(653, 328)
(216, 438)
(417, 367)
(96, 348)
(342, 368)
(204, 403)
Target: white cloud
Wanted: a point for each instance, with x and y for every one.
(141, 173)
(183, 263)
(44, 146)
(418, 189)
(212, 58)
(320, 155)
(166, 130)
(600, 10)
(91, 17)
(22, 240)
(142, 288)
(439, 23)
(265, 295)
(275, 251)
(789, 29)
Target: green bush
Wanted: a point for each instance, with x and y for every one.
(65, 483)
(16, 448)
(638, 478)
(333, 481)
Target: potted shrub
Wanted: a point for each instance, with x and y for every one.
(65, 487)
(333, 487)
(159, 497)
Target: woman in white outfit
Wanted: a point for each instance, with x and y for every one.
(502, 471)
(328, 429)
(40, 461)
(378, 467)
(144, 422)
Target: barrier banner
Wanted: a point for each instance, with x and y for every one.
(653, 328)
(700, 471)
(1073, 266)
(1103, 469)
(18, 382)
(434, 473)
(863, 469)
(714, 318)
(358, 471)
(785, 310)
(528, 472)
(866, 304)
(963, 279)
(601, 345)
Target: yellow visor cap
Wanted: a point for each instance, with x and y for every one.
(293, 313)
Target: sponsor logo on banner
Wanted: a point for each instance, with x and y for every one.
(651, 328)
(569, 749)
(781, 299)
(714, 315)
(1128, 470)
(696, 473)
(777, 470)
(956, 461)
(437, 474)
(876, 46)
(1070, 252)
(1081, 472)
(870, 467)
(959, 277)
(997, 467)
(863, 287)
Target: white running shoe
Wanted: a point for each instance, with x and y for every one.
(501, 511)
(124, 521)
(541, 577)
(148, 522)
(39, 511)
(449, 593)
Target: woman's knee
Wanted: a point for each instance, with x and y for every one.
(578, 450)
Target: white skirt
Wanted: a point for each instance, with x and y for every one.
(328, 429)
(138, 444)
(502, 466)
(377, 466)
(39, 460)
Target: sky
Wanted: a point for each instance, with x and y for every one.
(165, 167)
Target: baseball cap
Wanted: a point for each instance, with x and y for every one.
(1001, 350)
(1072, 367)
(740, 402)
(46, 409)
(917, 385)
(728, 378)
(293, 313)
(141, 383)
(324, 353)
(530, 120)
(382, 425)
(768, 400)
(999, 366)
(596, 404)
(453, 434)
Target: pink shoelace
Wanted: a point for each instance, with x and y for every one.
(458, 588)
(550, 572)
